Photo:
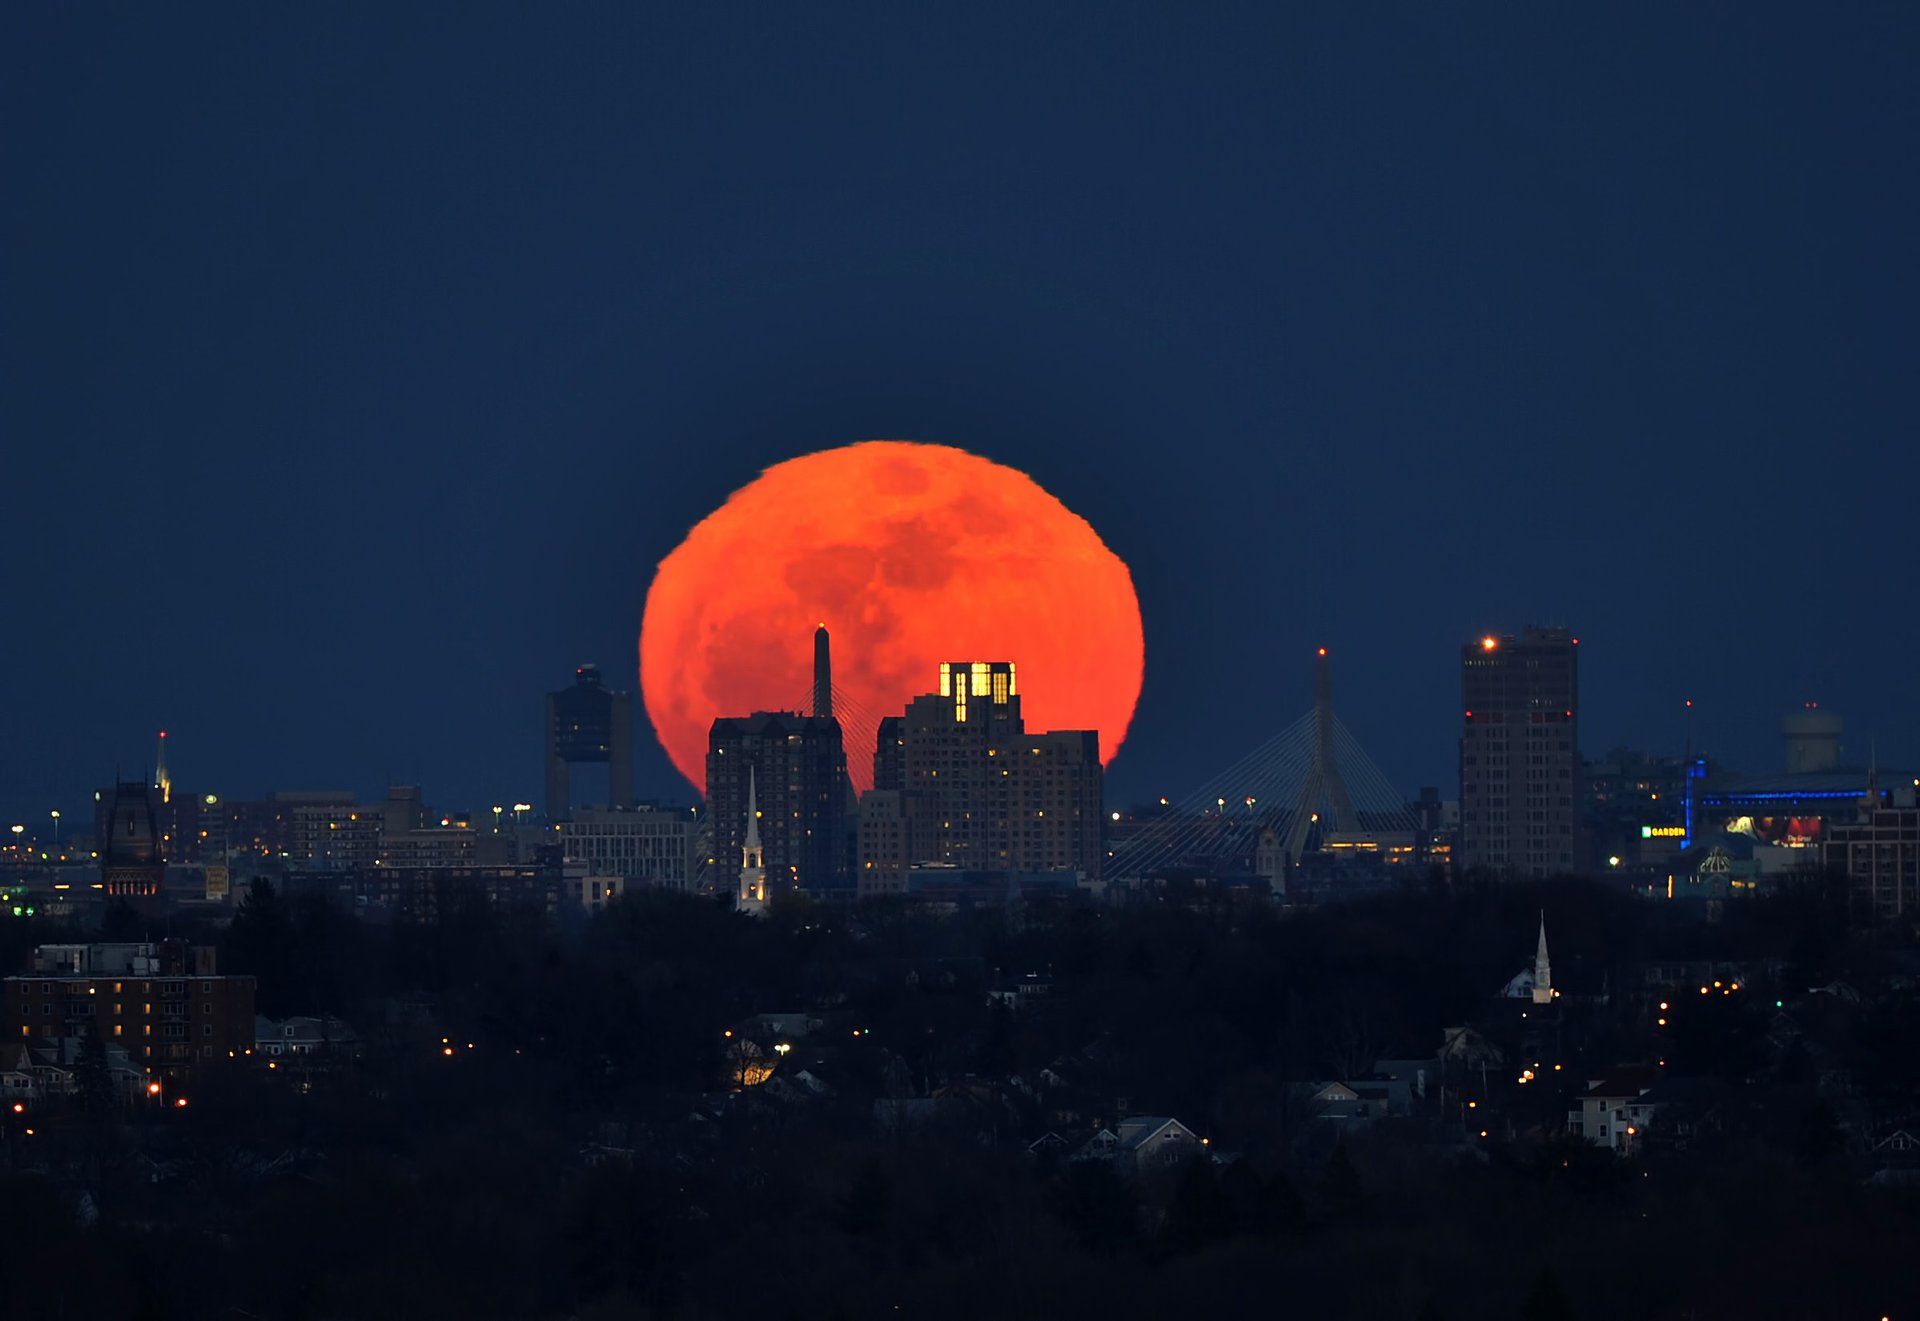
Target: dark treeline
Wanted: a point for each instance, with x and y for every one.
(574, 1147)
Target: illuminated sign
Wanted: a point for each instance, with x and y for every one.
(1663, 832)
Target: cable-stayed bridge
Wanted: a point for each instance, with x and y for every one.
(1309, 787)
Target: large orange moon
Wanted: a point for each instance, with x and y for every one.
(911, 554)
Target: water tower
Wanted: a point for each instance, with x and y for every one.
(1813, 739)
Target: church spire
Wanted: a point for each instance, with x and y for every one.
(753, 868)
(1542, 968)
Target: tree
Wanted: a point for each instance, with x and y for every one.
(1097, 1205)
(1547, 1301)
(1199, 1213)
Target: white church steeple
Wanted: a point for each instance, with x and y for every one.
(753, 862)
(1542, 968)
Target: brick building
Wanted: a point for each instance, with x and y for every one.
(163, 1003)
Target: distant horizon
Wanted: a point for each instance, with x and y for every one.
(1136, 792)
(361, 371)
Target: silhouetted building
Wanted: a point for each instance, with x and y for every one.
(796, 767)
(1880, 854)
(1634, 808)
(132, 846)
(643, 846)
(893, 831)
(959, 781)
(822, 673)
(1519, 752)
(425, 894)
(588, 723)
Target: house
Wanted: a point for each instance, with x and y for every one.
(788, 1026)
(20, 1074)
(298, 1036)
(1896, 1159)
(1615, 1108)
(1015, 992)
(1149, 1142)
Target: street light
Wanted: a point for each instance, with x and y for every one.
(56, 829)
(497, 810)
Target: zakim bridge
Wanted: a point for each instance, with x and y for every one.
(1309, 788)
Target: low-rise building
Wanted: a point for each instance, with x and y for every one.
(162, 1003)
(643, 846)
(1615, 1109)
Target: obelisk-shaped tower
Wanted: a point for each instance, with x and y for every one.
(822, 673)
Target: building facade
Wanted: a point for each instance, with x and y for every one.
(588, 723)
(132, 844)
(959, 781)
(164, 1003)
(1520, 803)
(1880, 856)
(796, 768)
(643, 846)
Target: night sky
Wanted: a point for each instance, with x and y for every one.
(358, 367)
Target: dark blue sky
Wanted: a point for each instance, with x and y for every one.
(358, 367)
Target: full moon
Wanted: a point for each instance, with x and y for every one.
(910, 554)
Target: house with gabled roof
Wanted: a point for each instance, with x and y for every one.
(1615, 1108)
(1148, 1142)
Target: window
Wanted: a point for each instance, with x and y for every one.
(206, 1030)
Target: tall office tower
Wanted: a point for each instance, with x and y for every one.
(795, 767)
(588, 723)
(1519, 752)
(959, 780)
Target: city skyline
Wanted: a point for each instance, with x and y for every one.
(1455, 337)
(1764, 738)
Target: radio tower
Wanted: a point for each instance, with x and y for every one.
(161, 779)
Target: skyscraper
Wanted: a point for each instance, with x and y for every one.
(959, 780)
(588, 723)
(1519, 752)
(795, 768)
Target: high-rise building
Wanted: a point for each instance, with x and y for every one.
(1519, 752)
(588, 723)
(796, 767)
(958, 780)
